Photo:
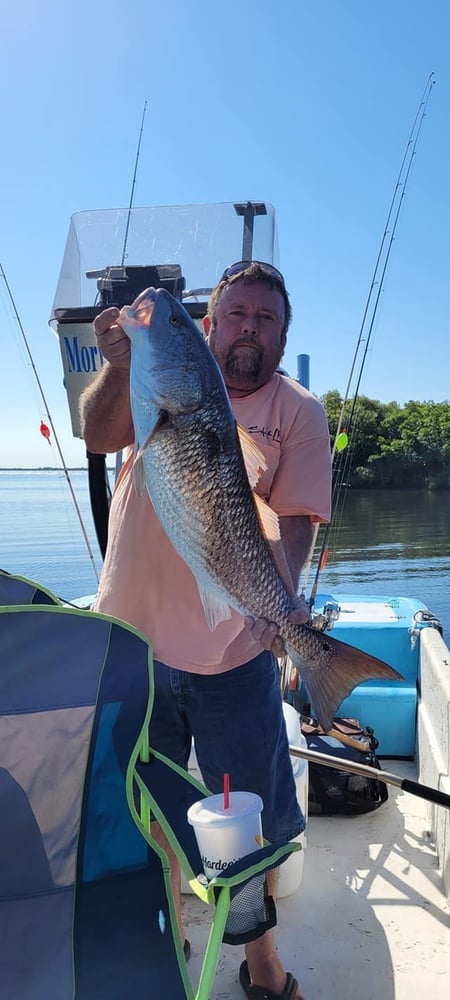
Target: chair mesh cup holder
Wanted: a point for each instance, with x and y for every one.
(252, 912)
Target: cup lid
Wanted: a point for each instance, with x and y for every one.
(211, 811)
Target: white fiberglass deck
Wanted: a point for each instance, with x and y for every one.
(370, 918)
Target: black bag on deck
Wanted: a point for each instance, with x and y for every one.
(332, 790)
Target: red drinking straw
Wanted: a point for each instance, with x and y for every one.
(226, 791)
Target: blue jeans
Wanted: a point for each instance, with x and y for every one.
(237, 722)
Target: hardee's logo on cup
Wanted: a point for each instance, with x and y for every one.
(219, 865)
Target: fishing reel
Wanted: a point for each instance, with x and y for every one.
(327, 616)
(120, 285)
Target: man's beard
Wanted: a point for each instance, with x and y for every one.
(244, 362)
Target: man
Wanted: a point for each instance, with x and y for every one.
(220, 687)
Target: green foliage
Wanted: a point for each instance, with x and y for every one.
(390, 445)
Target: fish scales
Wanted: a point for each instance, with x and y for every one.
(210, 515)
(194, 471)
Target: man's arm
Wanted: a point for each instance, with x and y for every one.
(105, 412)
(105, 405)
(296, 535)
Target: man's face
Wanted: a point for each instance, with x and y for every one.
(246, 335)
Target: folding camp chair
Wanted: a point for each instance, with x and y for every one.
(80, 889)
(20, 590)
(86, 909)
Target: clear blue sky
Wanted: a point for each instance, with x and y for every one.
(305, 105)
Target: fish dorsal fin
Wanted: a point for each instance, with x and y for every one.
(270, 527)
(254, 460)
(215, 609)
(255, 464)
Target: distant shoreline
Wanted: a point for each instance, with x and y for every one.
(48, 468)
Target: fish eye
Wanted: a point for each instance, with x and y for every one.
(174, 319)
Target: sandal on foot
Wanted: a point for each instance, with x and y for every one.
(261, 993)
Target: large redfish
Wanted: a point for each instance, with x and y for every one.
(199, 470)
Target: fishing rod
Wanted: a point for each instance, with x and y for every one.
(341, 436)
(49, 418)
(99, 488)
(124, 251)
(400, 184)
(351, 417)
(422, 105)
(413, 787)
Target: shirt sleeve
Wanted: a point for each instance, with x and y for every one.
(302, 482)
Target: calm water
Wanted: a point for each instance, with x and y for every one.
(40, 533)
(392, 543)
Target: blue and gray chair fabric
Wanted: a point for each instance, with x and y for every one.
(86, 909)
(20, 590)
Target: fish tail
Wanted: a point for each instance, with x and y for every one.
(332, 673)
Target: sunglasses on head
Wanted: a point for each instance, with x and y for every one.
(242, 265)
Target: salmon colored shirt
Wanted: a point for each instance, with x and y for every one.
(147, 584)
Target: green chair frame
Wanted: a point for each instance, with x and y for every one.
(145, 806)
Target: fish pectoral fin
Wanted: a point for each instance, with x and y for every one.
(254, 460)
(270, 528)
(139, 474)
(154, 422)
(215, 609)
(157, 419)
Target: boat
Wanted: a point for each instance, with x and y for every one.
(368, 912)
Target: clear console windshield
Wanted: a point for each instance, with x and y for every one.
(202, 239)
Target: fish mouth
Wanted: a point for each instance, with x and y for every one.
(144, 313)
(140, 311)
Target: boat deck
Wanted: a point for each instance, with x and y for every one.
(370, 918)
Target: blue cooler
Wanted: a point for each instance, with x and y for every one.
(385, 627)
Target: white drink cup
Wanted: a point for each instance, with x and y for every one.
(226, 835)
